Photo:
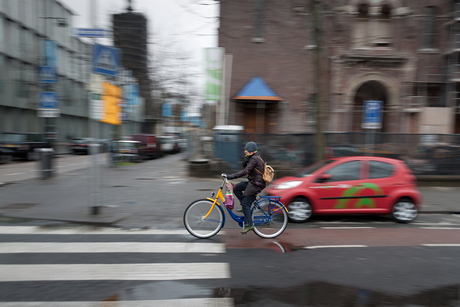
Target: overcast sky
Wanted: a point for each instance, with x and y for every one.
(191, 24)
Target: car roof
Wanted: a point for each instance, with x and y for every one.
(366, 158)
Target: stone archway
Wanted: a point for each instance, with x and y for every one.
(386, 87)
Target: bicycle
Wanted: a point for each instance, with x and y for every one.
(204, 218)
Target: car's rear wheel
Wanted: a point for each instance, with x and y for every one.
(300, 210)
(405, 210)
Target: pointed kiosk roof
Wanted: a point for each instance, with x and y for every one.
(257, 89)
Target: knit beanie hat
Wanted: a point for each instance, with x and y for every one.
(251, 147)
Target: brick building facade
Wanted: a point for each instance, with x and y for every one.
(401, 52)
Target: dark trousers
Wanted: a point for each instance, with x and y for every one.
(245, 202)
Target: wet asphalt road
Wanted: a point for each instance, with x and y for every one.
(330, 261)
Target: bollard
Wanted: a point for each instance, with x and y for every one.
(46, 159)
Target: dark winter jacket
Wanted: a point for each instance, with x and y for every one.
(256, 181)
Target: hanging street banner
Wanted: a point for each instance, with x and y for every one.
(372, 115)
(48, 104)
(112, 104)
(49, 53)
(167, 109)
(214, 63)
(106, 60)
(90, 32)
(47, 74)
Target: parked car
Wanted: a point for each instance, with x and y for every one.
(169, 144)
(150, 145)
(350, 185)
(80, 146)
(83, 145)
(23, 145)
(127, 150)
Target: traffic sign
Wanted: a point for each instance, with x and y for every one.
(47, 74)
(106, 60)
(372, 115)
(90, 32)
(48, 104)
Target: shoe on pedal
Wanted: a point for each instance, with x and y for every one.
(247, 228)
(239, 210)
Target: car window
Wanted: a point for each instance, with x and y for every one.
(379, 169)
(312, 168)
(345, 171)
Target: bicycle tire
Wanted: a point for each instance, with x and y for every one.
(194, 223)
(270, 220)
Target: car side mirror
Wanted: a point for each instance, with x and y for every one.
(324, 177)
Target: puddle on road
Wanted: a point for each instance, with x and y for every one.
(323, 294)
(313, 294)
(163, 290)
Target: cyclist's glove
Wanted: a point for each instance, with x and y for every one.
(229, 177)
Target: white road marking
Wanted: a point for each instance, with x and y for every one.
(333, 246)
(89, 231)
(14, 174)
(440, 228)
(138, 271)
(111, 247)
(442, 245)
(346, 227)
(189, 302)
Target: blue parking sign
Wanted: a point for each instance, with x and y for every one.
(372, 114)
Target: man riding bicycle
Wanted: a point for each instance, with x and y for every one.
(246, 191)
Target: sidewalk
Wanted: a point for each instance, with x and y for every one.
(151, 194)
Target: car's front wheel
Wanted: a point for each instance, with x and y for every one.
(404, 210)
(300, 210)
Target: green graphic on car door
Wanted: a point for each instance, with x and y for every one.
(352, 194)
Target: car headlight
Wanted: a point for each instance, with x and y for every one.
(288, 185)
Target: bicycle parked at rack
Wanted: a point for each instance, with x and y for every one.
(204, 218)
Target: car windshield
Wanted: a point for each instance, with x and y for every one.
(312, 168)
(12, 137)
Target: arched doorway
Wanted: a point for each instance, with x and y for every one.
(370, 90)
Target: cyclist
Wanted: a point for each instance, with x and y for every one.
(246, 191)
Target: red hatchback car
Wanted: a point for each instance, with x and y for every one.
(350, 185)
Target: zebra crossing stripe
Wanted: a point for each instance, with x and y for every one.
(88, 231)
(111, 247)
(191, 302)
(131, 271)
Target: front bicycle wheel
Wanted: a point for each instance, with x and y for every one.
(270, 219)
(197, 225)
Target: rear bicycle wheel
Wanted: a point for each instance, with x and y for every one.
(270, 219)
(197, 225)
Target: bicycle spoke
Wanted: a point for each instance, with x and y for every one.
(195, 222)
(270, 219)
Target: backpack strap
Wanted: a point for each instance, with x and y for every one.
(264, 166)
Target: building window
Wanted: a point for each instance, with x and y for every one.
(457, 9)
(372, 31)
(361, 27)
(258, 21)
(429, 28)
(382, 30)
